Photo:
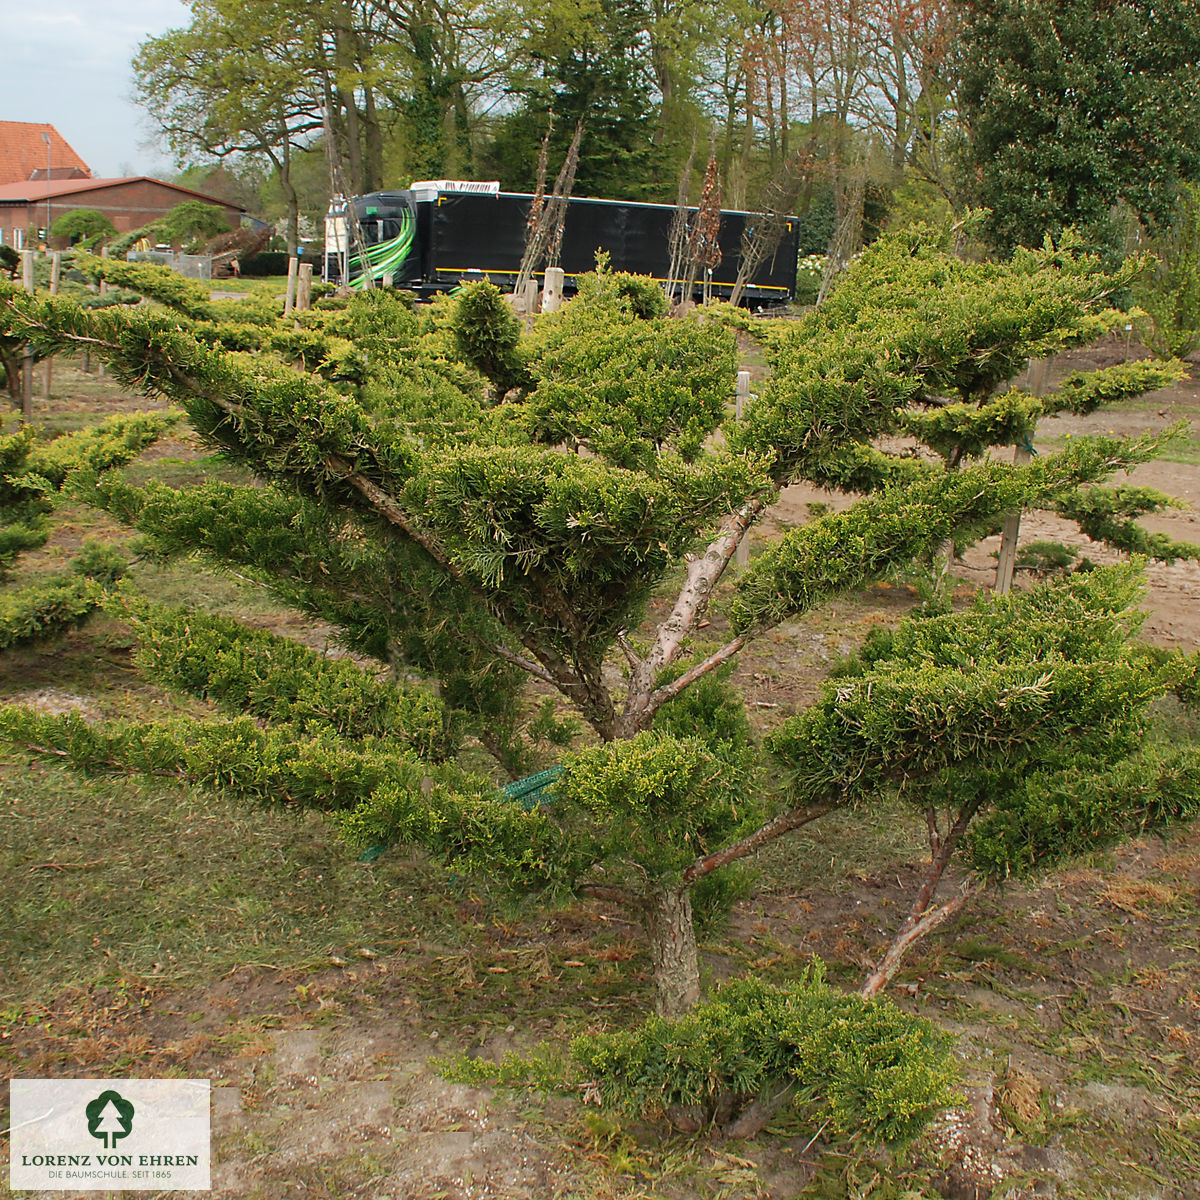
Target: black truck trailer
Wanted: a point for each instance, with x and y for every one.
(435, 235)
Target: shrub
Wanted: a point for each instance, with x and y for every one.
(863, 1067)
(168, 287)
(82, 223)
(1170, 294)
(277, 679)
(1055, 814)
(33, 613)
(488, 334)
(192, 223)
(809, 271)
(265, 262)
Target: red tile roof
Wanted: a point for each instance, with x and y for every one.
(23, 151)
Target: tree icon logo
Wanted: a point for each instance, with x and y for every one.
(109, 1117)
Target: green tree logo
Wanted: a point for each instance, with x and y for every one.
(109, 1117)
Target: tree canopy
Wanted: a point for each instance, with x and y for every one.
(1071, 109)
(82, 223)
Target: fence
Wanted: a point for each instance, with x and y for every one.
(194, 266)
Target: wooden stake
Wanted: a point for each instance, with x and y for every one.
(1006, 563)
(552, 292)
(27, 353)
(531, 302)
(55, 277)
(103, 292)
(289, 302)
(304, 287)
(742, 554)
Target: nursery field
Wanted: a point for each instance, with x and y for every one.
(151, 929)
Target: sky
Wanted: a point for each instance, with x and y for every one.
(66, 62)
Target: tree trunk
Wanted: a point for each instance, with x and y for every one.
(346, 101)
(293, 201)
(671, 933)
(372, 143)
(354, 164)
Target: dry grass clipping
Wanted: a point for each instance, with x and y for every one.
(1135, 895)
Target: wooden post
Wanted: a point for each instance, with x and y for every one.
(742, 554)
(531, 300)
(27, 353)
(552, 292)
(103, 292)
(1036, 376)
(304, 287)
(1006, 562)
(289, 302)
(55, 278)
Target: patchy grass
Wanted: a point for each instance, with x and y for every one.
(104, 879)
(265, 285)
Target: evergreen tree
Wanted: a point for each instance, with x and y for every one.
(474, 538)
(586, 66)
(1071, 109)
(82, 223)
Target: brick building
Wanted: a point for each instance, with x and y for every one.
(128, 203)
(41, 178)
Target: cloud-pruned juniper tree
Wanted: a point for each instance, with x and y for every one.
(476, 539)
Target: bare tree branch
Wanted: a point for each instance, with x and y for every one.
(794, 818)
(534, 669)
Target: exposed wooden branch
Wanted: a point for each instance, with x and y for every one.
(794, 818)
(703, 574)
(921, 919)
(925, 924)
(669, 691)
(387, 508)
(534, 669)
(631, 655)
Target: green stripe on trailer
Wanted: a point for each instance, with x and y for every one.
(384, 257)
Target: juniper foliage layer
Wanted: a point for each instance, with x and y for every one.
(477, 506)
(34, 470)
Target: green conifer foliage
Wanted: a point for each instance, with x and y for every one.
(861, 1067)
(475, 543)
(169, 288)
(32, 473)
